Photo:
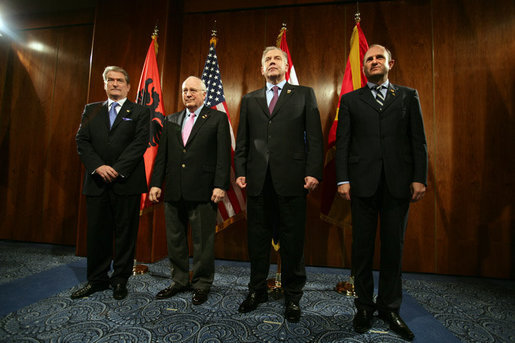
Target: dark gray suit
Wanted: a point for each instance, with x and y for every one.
(190, 174)
(275, 152)
(113, 207)
(380, 151)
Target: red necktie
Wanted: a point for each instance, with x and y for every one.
(187, 128)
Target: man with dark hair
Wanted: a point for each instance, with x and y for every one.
(381, 165)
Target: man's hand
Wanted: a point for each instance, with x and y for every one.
(241, 181)
(417, 191)
(310, 183)
(154, 194)
(218, 195)
(107, 173)
(344, 191)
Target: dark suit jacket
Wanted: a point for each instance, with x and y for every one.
(121, 147)
(192, 171)
(289, 141)
(369, 138)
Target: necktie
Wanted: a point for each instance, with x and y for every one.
(187, 128)
(274, 99)
(112, 113)
(379, 96)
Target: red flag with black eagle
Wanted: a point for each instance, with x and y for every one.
(150, 95)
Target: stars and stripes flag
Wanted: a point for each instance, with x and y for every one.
(335, 210)
(291, 76)
(233, 206)
(149, 95)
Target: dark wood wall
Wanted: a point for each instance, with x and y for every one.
(455, 53)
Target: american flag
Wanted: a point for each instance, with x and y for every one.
(233, 205)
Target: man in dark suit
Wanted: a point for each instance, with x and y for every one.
(111, 141)
(278, 160)
(196, 169)
(381, 163)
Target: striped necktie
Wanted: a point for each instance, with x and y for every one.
(379, 96)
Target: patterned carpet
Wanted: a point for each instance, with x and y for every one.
(36, 282)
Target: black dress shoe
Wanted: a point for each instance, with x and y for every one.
(252, 301)
(362, 321)
(199, 296)
(397, 325)
(292, 312)
(88, 290)
(120, 291)
(170, 291)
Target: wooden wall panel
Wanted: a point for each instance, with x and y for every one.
(46, 73)
(474, 131)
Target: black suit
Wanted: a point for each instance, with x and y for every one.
(380, 151)
(113, 208)
(275, 152)
(191, 173)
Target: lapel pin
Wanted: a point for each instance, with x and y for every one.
(204, 116)
(288, 91)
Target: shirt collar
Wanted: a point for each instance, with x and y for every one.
(373, 86)
(120, 102)
(280, 85)
(197, 111)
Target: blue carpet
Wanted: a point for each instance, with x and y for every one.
(37, 308)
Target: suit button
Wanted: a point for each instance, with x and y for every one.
(183, 165)
(183, 150)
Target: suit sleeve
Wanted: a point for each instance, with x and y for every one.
(343, 132)
(314, 138)
(242, 142)
(223, 154)
(418, 140)
(88, 155)
(131, 155)
(158, 172)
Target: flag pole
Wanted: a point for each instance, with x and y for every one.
(139, 269)
(347, 287)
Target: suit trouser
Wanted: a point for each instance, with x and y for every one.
(202, 219)
(393, 214)
(269, 212)
(111, 216)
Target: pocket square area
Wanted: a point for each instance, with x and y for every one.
(125, 118)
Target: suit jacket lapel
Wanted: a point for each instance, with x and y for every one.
(391, 96)
(261, 100)
(180, 119)
(286, 94)
(366, 95)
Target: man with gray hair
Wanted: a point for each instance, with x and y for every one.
(111, 141)
(278, 160)
(194, 159)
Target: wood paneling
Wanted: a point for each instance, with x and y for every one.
(45, 85)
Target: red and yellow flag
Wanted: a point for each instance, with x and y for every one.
(150, 95)
(335, 210)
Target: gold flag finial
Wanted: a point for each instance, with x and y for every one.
(280, 36)
(214, 38)
(154, 38)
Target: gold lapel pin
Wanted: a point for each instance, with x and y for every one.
(288, 91)
(204, 116)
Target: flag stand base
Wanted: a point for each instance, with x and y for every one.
(139, 269)
(274, 287)
(346, 287)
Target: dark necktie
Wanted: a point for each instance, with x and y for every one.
(379, 96)
(274, 99)
(112, 113)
